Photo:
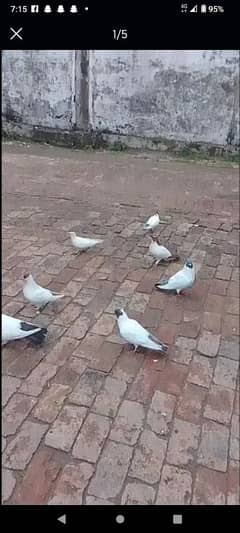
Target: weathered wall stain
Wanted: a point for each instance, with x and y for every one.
(184, 96)
(84, 91)
(37, 85)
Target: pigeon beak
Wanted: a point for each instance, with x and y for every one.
(117, 312)
(25, 276)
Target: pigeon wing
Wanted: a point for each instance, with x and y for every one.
(25, 326)
(163, 282)
(133, 332)
(40, 295)
(157, 341)
(174, 282)
(13, 328)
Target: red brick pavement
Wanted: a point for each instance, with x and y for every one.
(90, 420)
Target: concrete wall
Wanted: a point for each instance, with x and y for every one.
(187, 96)
(183, 95)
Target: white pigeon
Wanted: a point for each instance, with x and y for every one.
(14, 329)
(153, 222)
(183, 279)
(37, 295)
(160, 252)
(132, 332)
(83, 243)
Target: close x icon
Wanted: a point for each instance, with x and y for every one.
(16, 34)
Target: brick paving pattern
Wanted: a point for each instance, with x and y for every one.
(92, 421)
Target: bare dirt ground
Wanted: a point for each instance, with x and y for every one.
(90, 420)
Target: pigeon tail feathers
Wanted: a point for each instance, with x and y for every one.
(39, 336)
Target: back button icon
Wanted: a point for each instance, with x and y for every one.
(62, 519)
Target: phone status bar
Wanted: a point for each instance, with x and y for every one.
(48, 9)
(200, 8)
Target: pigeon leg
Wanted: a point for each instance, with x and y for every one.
(180, 293)
(135, 348)
(79, 251)
(41, 308)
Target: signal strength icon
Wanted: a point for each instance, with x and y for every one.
(47, 9)
(60, 9)
(194, 9)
